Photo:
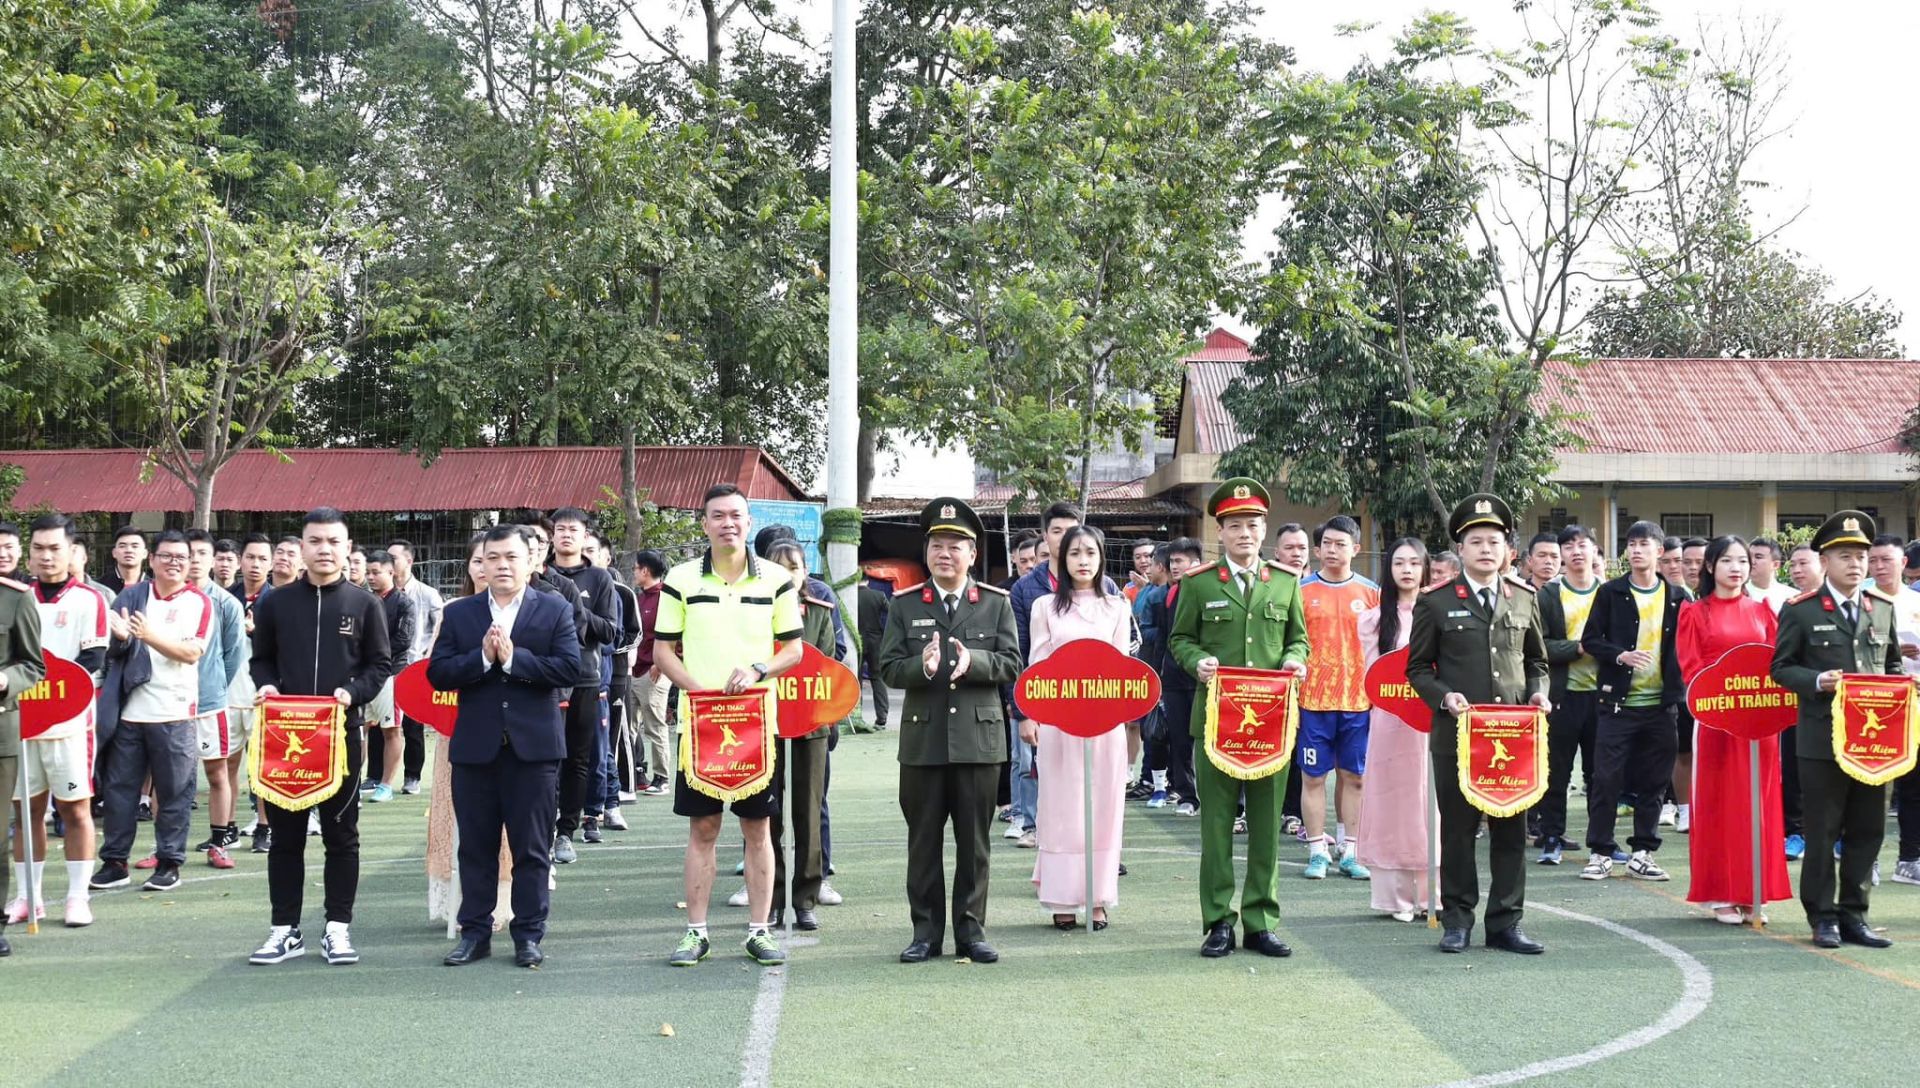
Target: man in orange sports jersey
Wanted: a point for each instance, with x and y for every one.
(1333, 701)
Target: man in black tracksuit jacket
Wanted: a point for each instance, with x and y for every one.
(596, 614)
(321, 635)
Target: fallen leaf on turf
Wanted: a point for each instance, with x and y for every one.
(682, 905)
(960, 960)
(666, 1030)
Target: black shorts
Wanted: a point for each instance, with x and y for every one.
(688, 801)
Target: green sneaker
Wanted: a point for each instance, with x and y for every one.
(764, 950)
(1353, 870)
(693, 948)
(1317, 866)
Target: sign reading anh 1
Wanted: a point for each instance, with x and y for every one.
(818, 691)
(1389, 689)
(1737, 694)
(420, 700)
(64, 694)
(1086, 688)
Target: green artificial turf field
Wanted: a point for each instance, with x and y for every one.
(1636, 988)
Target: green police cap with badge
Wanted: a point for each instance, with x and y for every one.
(1240, 495)
(1848, 527)
(1480, 509)
(951, 516)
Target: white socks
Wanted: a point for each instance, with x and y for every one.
(1159, 780)
(77, 881)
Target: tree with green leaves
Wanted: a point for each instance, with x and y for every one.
(1055, 247)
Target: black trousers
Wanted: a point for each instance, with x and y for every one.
(1635, 755)
(1839, 807)
(620, 729)
(576, 771)
(339, 838)
(930, 799)
(1290, 802)
(1178, 706)
(1459, 869)
(518, 796)
(1790, 810)
(801, 768)
(1906, 789)
(1571, 728)
(413, 759)
(870, 660)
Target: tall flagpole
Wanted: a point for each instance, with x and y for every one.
(843, 328)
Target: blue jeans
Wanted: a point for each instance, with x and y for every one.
(1025, 787)
(608, 770)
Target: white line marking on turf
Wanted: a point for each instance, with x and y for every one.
(763, 1024)
(1696, 993)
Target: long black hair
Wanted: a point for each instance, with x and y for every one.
(1390, 597)
(1717, 547)
(1063, 587)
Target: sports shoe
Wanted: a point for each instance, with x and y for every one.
(231, 836)
(214, 838)
(145, 814)
(337, 947)
(282, 944)
(1906, 872)
(381, 792)
(654, 788)
(1028, 841)
(165, 878)
(1239, 825)
(1876, 874)
(217, 857)
(148, 862)
(111, 874)
(1551, 853)
(1668, 814)
(1157, 799)
(764, 950)
(79, 913)
(1623, 809)
(369, 785)
(563, 851)
(739, 898)
(590, 831)
(1317, 865)
(313, 822)
(1796, 847)
(830, 898)
(17, 911)
(1620, 855)
(1683, 819)
(1291, 826)
(1599, 867)
(1013, 830)
(1350, 866)
(627, 797)
(262, 838)
(1140, 790)
(410, 787)
(1005, 813)
(1642, 866)
(740, 867)
(691, 950)
(1187, 808)
(612, 820)
(252, 827)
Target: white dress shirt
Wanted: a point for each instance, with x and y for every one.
(505, 615)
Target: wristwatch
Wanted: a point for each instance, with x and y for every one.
(760, 669)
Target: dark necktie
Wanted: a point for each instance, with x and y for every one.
(1486, 598)
(1852, 610)
(953, 601)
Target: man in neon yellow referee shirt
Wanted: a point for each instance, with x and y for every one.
(728, 621)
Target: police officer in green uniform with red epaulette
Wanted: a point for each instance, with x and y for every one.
(1239, 612)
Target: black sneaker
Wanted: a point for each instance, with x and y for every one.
(1140, 790)
(215, 838)
(231, 837)
(112, 874)
(410, 786)
(145, 814)
(262, 838)
(590, 830)
(282, 944)
(165, 878)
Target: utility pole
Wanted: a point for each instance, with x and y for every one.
(843, 335)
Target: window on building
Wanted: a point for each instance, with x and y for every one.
(1555, 520)
(1687, 525)
(1790, 522)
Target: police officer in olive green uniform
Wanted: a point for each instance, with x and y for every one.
(1845, 625)
(1240, 612)
(20, 669)
(1478, 639)
(950, 644)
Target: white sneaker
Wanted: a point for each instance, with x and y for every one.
(1642, 866)
(313, 822)
(337, 947)
(1599, 867)
(1683, 819)
(1876, 874)
(283, 943)
(1028, 841)
(79, 913)
(1906, 872)
(1668, 814)
(1186, 808)
(829, 897)
(739, 898)
(1013, 829)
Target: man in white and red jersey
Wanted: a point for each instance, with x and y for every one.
(159, 632)
(1333, 702)
(220, 732)
(59, 762)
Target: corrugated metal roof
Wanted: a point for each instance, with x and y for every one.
(1222, 347)
(1108, 497)
(1737, 405)
(1215, 431)
(80, 481)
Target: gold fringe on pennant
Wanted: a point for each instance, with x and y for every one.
(1463, 758)
(769, 734)
(1854, 770)
(257, 745)
(1233, 770)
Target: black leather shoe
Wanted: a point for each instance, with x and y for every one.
(1453, 940)
(1515, 939)
(1826, 935)
(977, 951)
(806, 919)
(1219, 941)
(1864, 937)
(1264, 942)
(918, 952)
(528, 954)
(468, 950)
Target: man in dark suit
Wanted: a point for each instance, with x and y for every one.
(511, 655)
(873, 628)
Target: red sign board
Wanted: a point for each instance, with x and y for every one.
(1737, 694)
(818, 691)
(422, 702)
(65, 694)
(1503, 757)
(1086, 688)
(1389, 689)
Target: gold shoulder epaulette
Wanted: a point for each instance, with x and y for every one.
(818, 601)
(1807, 596)
(1522, 583)
(1200, 570)
(1278, 565)
(1875, 591)
(1434, 586)
(914, 588)
(11, 584)
(992, 588)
